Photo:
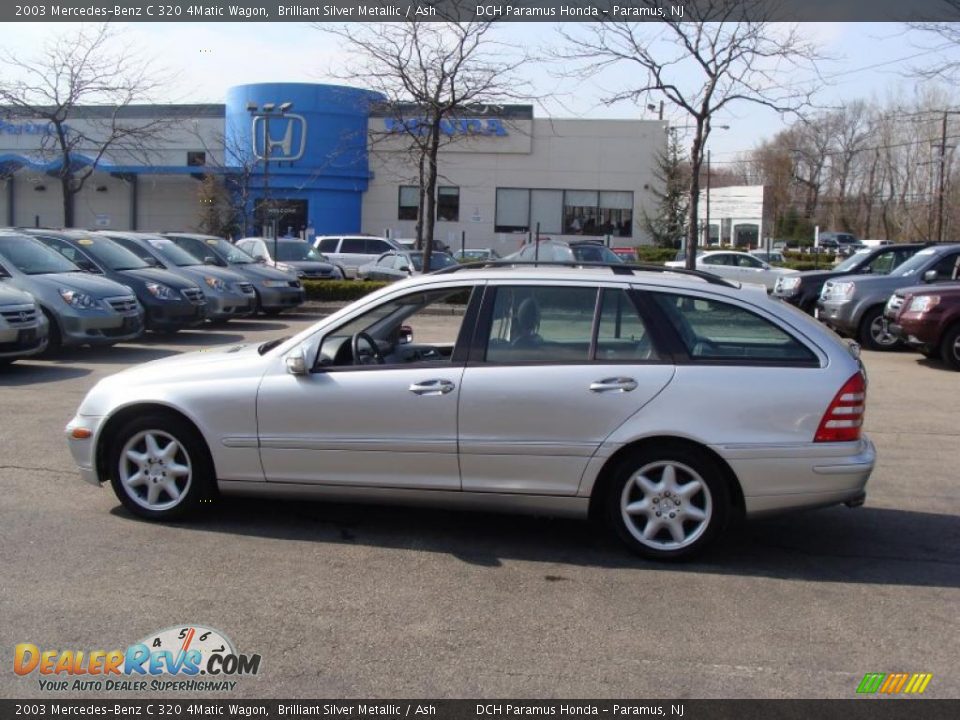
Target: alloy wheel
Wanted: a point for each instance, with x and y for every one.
(666, 505)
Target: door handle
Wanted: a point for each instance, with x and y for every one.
(616, 384)
(432, 387)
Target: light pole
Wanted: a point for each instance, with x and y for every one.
(941, 190)
(265, 112)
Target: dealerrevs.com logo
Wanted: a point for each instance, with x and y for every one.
(181, 658)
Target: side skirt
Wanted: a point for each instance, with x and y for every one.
(552, 505)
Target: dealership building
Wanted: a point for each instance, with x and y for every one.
(326, 159)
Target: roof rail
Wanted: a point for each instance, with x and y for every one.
(616, 268)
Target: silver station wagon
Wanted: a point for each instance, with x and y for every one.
(667, 403)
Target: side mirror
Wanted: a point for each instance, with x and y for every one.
(151, 261)
(406, 335)
(87, 266)
(930, 276)
(296, 362)
(210, 260)
(405, 268)
(262, 259)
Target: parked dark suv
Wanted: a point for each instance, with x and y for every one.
(928, 319)
(804, 288)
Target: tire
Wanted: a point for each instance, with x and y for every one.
(871, 335)
(272, 312)
(652, 485)
(950, 348)
(54, 338)
(178, 480)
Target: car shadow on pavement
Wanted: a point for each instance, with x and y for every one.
(868, 545)
(935, 364)
(25, 372)
(250, 324)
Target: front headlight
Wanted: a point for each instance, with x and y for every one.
(788, 284)
(274, 283)
(78, 300)
(840, 291)
(215, 283)
(161, 291)
(923, 303)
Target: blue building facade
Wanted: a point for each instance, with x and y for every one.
(309, 160)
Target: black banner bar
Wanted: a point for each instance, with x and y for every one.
(874, 708)
(436, 10)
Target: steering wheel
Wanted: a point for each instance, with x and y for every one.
(374, 349)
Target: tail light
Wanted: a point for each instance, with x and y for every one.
(843, 419)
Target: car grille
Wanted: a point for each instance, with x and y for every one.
(123, 305)
(19, 315)
(317, 273)
(245, 287)
(194, 295)
(294, 283)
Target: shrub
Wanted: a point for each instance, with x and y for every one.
(336, 290)
(656, 255)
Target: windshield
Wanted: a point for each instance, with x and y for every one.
(295, 251)
(32, 257)
(440, 260)
(851, 262)
(595, 253)
(214, 247)
(917, 262)
(172, 252)
(111, 255)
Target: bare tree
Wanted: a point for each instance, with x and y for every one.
(734, 55)
(430, 74)
(945, 65)
(83, 67)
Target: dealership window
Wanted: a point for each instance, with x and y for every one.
(196, 158)
(572, 212)
(448, 203)
(513, 210)
(409, 202)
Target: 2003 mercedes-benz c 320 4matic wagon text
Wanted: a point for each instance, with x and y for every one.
(664, 401)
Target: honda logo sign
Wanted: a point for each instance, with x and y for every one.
(282, 139)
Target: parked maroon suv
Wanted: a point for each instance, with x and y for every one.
(927, 318)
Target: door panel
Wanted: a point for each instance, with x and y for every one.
(555, 423)
(361, 427)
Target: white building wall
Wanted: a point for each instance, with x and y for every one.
(564, 155)
(168, 202)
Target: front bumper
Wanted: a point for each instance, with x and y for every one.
(281, 298)
(915, 332)
(21, 342)
(167, 315)
(837, 315)
(83, 449)
(100, 327)
(223, 306)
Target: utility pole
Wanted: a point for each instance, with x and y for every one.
(707, 240)
(942, 181)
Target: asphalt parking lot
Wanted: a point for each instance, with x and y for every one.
(359, 601)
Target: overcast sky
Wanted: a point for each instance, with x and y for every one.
(867, 61)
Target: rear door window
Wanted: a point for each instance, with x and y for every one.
(355, 246)
(329, 245)
(712, 331)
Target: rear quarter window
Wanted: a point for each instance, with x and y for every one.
(712, 331)
(328, 245)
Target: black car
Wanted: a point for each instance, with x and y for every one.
(802, 289)
(171, 302)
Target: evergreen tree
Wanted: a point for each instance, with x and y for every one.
(668, 226)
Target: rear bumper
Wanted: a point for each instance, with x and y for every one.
(813, 475)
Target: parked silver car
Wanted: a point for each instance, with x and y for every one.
(81, 309)
(228, 295)
(350, 252)
(738, 266)
(554, 390)
(23, 326)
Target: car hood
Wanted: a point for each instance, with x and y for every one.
(201, 271)
(10, 295)
(943, 289)
(314, 265)
(97, 287)
(869, 280)
(821, 274)
(261, 272)
(156, 275)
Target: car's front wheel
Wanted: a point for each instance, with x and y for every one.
(668, 503)
(950, 347)
(874, 334)
(160, 467)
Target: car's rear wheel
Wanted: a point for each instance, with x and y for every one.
(160, 467)
(950, 347)
(873, 334)
(668, 502)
